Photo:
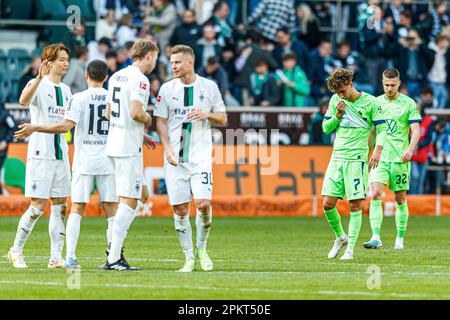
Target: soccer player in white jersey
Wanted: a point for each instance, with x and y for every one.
(48, 169)
(128, 95)
(86, 111)
(186, 106)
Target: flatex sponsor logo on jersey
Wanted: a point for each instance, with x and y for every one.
(56, 112)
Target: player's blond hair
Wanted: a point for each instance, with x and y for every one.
(339, 77)
(50, 52)
(181, 48)
(141, 48)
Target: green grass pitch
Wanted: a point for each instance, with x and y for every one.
(255, 258)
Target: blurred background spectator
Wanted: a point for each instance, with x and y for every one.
(76, 76)
(7, 128)
(264, 90)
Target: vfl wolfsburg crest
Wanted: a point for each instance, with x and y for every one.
(391, 125)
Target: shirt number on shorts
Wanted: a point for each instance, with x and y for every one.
(357, 182)
(207, 178)
(116, 101)
(400, 179)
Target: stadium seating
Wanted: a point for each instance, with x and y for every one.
(17, 61)
(14, 9)
(14, 170)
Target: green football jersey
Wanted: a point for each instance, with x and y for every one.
(399, 114)
(353, 130)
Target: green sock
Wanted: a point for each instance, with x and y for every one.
(376, 216)
(334, 219)
(401, 219)
(354, 227)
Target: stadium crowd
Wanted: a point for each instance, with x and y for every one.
(279, 55)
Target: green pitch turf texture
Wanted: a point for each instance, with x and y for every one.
(255, 258)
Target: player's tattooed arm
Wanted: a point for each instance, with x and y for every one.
(372, 138)
(149, 142)
(161, 128)
(26, 129)
(30, 90)
(415, 136)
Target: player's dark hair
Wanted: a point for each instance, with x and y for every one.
(97, 70)
(391, 73)
(339, 77)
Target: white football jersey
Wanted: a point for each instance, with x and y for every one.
(191, 141)
(87, 109)
(126, 136)
(48, 106)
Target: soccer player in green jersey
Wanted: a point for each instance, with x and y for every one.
(401, 115)
(353, 115)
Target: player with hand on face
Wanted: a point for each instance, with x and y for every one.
(353, 115)
(90, 164)
(186, 106)
(402, 116)
(48, 168)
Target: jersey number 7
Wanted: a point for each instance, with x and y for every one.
(116, 102)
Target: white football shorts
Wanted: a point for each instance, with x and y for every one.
(129, 173)
(187, 180)
(47, 179)
(83, 184)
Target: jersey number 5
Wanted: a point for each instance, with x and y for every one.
(116, 102)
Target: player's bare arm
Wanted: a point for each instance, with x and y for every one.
(161, 128)
(219, 118)
(415, 136)
(108, 111)
(28, 92)
(149, 142)
(372, 138)
(26, 129)
(138, 114)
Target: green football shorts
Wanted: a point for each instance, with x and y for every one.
(347, 178)
(396, 173)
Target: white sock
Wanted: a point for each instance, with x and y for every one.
(399, 240)
(139, 208)
(73, 231)
(376, 238)
(109, 230)
(57, 231)
(26, 225)
(184, 232)
(203, 223)
(122, 221)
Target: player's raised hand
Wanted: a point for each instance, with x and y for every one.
(171, 158)
(407, 155)
(44, 69)
(197, 115)
(340, 109)
(149, 142)
(26, 129)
